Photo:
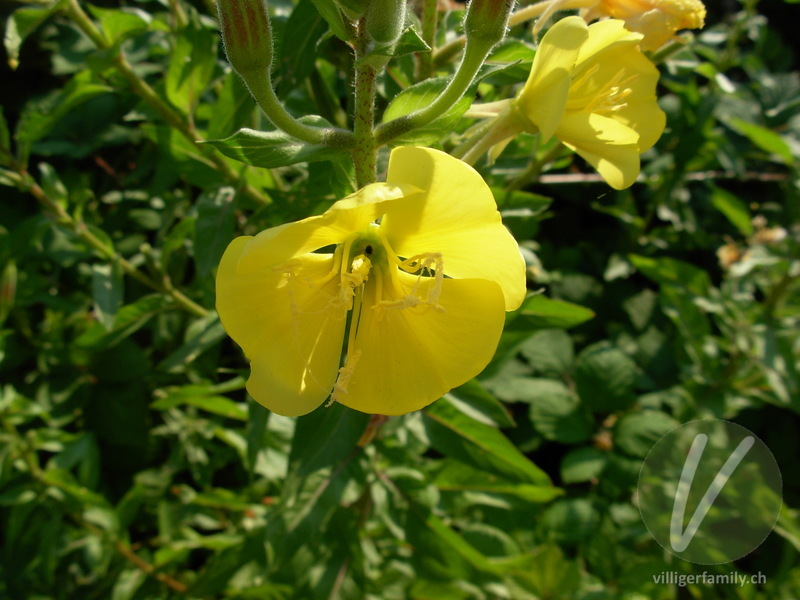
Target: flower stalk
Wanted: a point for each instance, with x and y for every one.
(365, 148)
(247, 34)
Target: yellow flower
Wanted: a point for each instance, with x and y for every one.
(594, 90)
(421, 265)
(657, 20)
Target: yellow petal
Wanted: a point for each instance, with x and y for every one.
(289, 325)
(608, 145)
(409, 357)
(277, 245)
(455, 216)
(604, 35)
(544, 95)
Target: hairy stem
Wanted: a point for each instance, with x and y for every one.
(365, 151)
(474, 56)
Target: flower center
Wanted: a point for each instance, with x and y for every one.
(368, 255)
(588, 94)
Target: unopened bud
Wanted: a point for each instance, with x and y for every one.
(385, 20)
(247, 34)
(487, 20)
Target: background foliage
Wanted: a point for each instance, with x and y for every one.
(132, 465)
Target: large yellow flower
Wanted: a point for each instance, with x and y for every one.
(421, 273)
(593, 89)
(657, 20)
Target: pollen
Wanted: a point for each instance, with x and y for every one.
(345, 374)
(428, 266)
(354, 279)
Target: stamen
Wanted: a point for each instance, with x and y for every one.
(345, 374)
(355, 278)
(607, 97)
(430, 262)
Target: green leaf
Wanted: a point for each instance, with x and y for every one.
(325, 437)
(200, 336)
(557, 414)
(583, 464)
(671, 271)
(550, 352)
(539, 312)
(272, 149)
(605, 377)
(214, 228)
(258, 417)
(39, 117)
(52, 185)
(441, 551)
(107, 292)
(473, 399)
(408, 43)
(764, 138)
(569, 520)
(129, 319)
(549, 574)
(459, 477)
(734, 209)
(458, 435)
(218, 405)
(690, 320)
(232, 108)
(5, 140)
(120, 23)
(333, 16)
(637, 433)
(302, 32)
(191, 65)
(107, 243)
(21, 24)
(419, 96)
(179, 237)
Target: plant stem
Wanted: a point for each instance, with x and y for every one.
(27, 183)
(430, 13)
(174, 119)
(534, 170)
(365, 150)
(474, 56)
(446, 52)
(260, 87)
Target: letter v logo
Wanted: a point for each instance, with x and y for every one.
(709, 491)
(680, 540)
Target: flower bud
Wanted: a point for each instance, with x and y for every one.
(385, 20)
(487, 20)
(247, 34)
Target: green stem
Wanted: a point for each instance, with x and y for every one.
(142, 89)
(430, 14)
(446, 52)
(534, 170)
(365, 150)
(474, 56)
(260, 86)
